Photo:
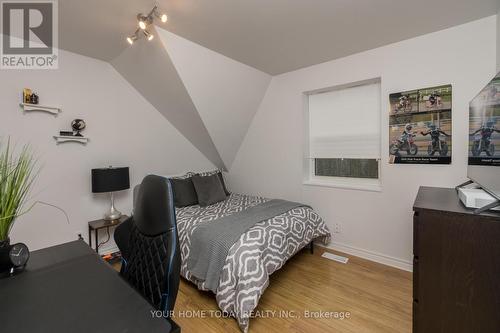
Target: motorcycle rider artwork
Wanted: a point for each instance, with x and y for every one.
(484, 143)
(404, 103)
(407, 133)
(492, 94)
(436, 144)
(434, 99)
(420, 125)
(405, 142)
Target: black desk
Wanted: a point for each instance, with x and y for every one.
(68, 288)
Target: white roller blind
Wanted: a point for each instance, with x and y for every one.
(345, 123)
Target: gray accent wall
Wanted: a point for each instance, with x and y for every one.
(149, 69)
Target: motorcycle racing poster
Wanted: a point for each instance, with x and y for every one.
(420, 126)
(484, 129)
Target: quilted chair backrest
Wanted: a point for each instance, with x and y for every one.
(152, 265)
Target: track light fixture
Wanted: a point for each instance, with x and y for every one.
(148, 35)
(143, 21)
(132, 38)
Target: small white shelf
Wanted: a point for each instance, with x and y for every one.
(62, 139)
(36, 107)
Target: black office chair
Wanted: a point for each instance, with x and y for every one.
(150, 245)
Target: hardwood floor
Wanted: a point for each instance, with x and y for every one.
(378, 298)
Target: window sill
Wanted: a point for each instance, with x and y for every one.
(344, 185)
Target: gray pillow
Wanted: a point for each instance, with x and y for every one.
(184, 192)
(209, 189)
(221, 177)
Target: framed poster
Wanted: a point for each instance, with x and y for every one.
(420, 126)
(484, 135)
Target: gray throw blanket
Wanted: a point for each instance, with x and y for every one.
(210, 242)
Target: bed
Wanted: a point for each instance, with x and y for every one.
(259, 251)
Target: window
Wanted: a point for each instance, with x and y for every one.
(346, 167)
(343, 145)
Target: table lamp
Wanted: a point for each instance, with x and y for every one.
(110, 180)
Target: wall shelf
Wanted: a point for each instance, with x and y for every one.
(36, 107)
(62, 139)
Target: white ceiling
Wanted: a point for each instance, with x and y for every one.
(274, 36)
(196, 74)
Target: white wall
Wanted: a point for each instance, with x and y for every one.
(376, 225)
(124, 130)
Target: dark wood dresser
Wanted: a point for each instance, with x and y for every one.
(456, 266)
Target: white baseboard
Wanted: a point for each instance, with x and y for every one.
(373, 256)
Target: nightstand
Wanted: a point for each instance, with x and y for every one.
(102, 224)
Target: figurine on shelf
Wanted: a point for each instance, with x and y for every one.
(27, 95)
(34, 98)
(78, 125)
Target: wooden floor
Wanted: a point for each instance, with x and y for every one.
(377, 297)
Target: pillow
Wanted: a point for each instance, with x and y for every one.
(180, 176)
(209, 189)
(184, 192)
(221, 178)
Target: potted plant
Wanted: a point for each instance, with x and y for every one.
(17, 174)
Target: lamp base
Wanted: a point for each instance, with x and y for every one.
(113, 213)
(111, 216)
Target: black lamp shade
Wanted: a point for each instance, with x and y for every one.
(110, 179)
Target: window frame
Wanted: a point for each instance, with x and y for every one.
(309, 176)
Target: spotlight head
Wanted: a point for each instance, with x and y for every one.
(161, 16)
(149, 36)
(143, 20)
(132, 38)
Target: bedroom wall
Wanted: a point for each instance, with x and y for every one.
(374, 225)
(223, 90)
(124, 130)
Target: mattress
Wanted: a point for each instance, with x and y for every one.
(260, 251)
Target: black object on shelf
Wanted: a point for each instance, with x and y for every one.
(78, 125)
(34, 98)
(65, 133)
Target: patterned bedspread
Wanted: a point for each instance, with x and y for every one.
(259, 252)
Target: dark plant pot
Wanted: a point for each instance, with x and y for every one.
(3, 252)
(5, 242)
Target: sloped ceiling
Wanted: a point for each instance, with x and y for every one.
(210, 98)
(274, 36)
(149, 69)
(226, 93)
